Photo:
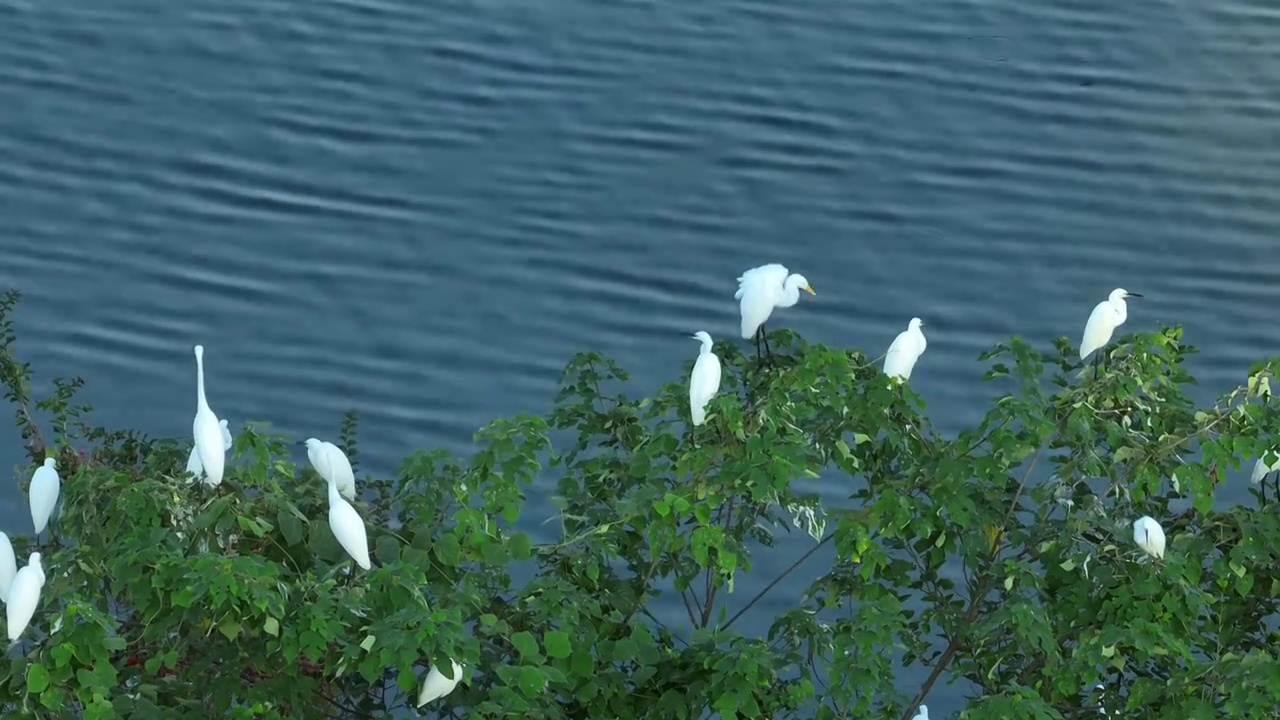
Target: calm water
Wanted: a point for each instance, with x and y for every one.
(421, 210)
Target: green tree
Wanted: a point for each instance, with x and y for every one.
(1001, 555)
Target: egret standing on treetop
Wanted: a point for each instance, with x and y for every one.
(347, 527)
(905, 350)
(8, 566)
(437, 685)
(1149, 536)
(43, 494)
(1105, 318)
(332, 464)
(24, 596)
(762, 289)
(704, 383)
(194, 468)
(207, 430)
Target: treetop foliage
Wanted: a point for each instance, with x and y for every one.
(1000, 557)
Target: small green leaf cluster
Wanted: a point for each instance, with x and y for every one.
(1000, 555)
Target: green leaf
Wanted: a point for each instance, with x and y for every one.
(532, 681)
(271, 627)
(37, 679)
(230, 628)
(520, 547)
(525, 644)
(557, 644)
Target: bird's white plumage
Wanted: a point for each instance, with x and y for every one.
(348, 527)
(923, 714)
(764, 288)
(207, 431)
(332, 464)
(8, 566)
(43, 493)
(905, 350)
(194, 468)
(704, 383)
(437, 685)
(1149, 536)
(1261, 469)
(24, 596)
(1103, 321)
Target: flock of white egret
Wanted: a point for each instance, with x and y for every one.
(760, 291)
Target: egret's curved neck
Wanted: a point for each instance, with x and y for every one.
(706, 347)
(200, 381)
(1122, 309)
(790, 293)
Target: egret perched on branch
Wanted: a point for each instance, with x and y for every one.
(905, 350)
(8, 566)
(1103, 321)
(704, 383)
(1149, 536)
(43, 494)
(24, 596)
(332, 464)
(923, 714)
(207, 431)
(194, 468)
(347, 527)
(762, 289)
(437, 685)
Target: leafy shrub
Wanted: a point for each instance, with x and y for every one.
(1002, 555)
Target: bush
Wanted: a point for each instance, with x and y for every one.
(1002, 555)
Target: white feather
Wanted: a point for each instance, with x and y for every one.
(1261, 469)
(207, 431)
(8, 566)
(43, 494)
(764, 288)
(704, 382)
(348, 528)
(905, 350)
(24, 597)
(1149, 536)
(437, 685)
(195, 470)
(1103, 321)
(332, 464)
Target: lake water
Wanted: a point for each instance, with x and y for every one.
(421, 210)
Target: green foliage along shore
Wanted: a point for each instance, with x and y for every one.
(1002, 555)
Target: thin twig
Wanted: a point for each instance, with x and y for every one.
(779, 579)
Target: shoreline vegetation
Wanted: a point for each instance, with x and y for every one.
(166, 599)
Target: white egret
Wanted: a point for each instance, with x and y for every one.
(347, 527)
(1105, 318)
(905, 350)
(43, 493)
(923, 714)
(194, 468)
(704, 383)
(1261, 469)
(1149, 536)
(762, 289)
(207, 431)
(24, 596)
(437, 685)
(332, 464)
(8, 566)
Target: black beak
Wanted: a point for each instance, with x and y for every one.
(301, 443)
(1135, 294)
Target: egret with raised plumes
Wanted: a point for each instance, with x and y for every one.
(762, 289)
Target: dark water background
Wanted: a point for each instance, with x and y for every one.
(421, 210)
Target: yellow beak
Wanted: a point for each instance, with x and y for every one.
(809, 289)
